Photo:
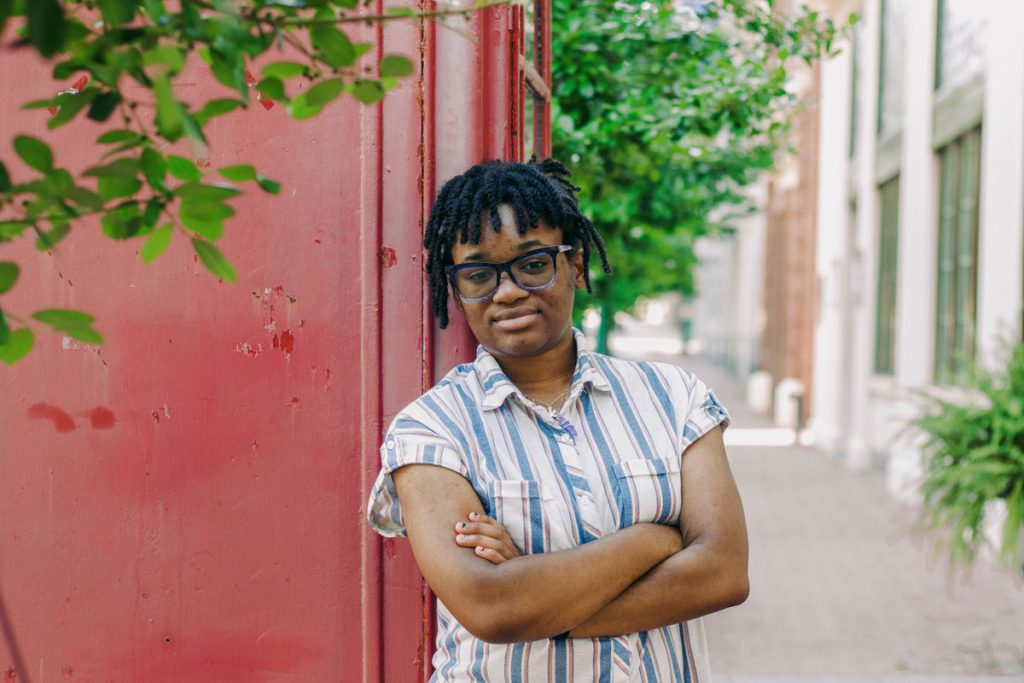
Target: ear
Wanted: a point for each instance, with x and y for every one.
(577, 264)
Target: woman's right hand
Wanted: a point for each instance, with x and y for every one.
(488, 538)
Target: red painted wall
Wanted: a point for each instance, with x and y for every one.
(186, 503)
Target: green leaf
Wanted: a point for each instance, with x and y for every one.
(283, 70)
(239, 173)
(324, 91)
(5, 331)
(61, 318)
(116, 12)
(154, 167)
(268, 185)
(214, 260)
(157, 243)
(205, 210)
(215, 108)
(396, 65)
(5, 11)
(123, 167)
(334, 46)
(368, 92)
(206, 191)
(34, 152)
(103, 106)
(120, 135)
(182, 168)
(211, 228)
(84, 197)
(124, 222)
(170, 115)
(228, 67)
(45, 25)
(273, 88)
(70, 104)
(48, 240)
(169, 56)
(5, 178)
(86, 334)
(111, 187)
(8, 275)
(18, 345)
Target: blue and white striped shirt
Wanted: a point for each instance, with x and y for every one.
(615, 463)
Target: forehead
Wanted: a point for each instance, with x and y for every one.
(504, 244)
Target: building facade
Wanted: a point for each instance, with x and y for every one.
(913, 207)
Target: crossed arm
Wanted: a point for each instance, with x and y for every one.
(641, 577)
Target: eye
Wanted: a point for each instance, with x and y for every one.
(535, 263)
(477, 275)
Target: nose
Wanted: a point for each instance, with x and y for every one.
(508, 291)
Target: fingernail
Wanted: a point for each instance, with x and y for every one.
(460, 537)
(460, 525)
(479, 548)
(474, 515)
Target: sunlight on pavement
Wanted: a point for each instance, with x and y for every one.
(767, 436)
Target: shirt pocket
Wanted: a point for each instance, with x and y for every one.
(519, 506)
(647, 490)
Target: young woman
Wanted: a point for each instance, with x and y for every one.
(574, 513)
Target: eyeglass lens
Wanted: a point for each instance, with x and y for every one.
(533, 271)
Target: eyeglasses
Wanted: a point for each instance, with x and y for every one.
(534, 270)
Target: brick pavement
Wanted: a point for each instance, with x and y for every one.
(838, 586)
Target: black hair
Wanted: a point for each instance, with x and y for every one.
(536, 190)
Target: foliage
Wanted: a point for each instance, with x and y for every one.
(665, 111)
(137, 189)
(974, 455)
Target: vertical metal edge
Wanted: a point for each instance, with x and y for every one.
(371, 118)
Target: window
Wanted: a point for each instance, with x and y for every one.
(960, 47)
(888, 262)
(960, 163)
(890, 68)
(535, 79)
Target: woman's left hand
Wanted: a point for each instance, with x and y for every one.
(487, 537)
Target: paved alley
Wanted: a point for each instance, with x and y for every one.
(839, 588)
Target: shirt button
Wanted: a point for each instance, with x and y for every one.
(390, 443)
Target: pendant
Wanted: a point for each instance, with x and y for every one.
(566, 425)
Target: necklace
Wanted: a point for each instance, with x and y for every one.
(550, 407)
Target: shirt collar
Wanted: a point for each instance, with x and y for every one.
(498, 387)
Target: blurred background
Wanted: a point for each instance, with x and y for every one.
(881, 261)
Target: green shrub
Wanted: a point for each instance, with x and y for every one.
(974, 454)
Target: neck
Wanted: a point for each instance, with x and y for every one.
(546, 376)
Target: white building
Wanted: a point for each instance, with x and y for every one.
(919, 229)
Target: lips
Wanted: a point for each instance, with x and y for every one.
(515, 319)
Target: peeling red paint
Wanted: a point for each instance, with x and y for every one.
(156, 417)
(388, 257)
(101, 418)
(62, 422)
(390, 548)
(275, 343)
(67, 672)
(287, 341)
(279, 290)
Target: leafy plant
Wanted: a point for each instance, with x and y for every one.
(665, 111)
(138, 189)
(974, 455)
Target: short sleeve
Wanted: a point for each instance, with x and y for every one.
(699, 410)
(407, 442)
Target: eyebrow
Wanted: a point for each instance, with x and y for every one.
(524, 246)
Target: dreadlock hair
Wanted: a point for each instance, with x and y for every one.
(536, 190)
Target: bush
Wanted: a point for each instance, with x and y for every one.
(974, 455)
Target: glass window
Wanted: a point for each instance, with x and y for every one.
(890, 67)
(888, 262)
(960, 47)
(960, 163)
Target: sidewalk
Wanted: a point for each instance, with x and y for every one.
(838, 589)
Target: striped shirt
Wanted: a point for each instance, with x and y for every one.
(611, 462)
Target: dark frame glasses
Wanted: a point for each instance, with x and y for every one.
(462, 275)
